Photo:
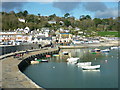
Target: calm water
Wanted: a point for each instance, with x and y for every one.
(57, 73)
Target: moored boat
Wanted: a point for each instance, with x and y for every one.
(34, 62)
(48, 55)
(44, 60)
(84, 64)
(65, 53)
(96, 50)
(56, 55)
(114, 47)
(105, 50)
(91, 67)
(41, 60)
(72, 60)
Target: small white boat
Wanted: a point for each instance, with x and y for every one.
(72, 60)
(91, 67)
(65, 53)
(56, 55)
(84, 64)
(44, 60)
(92, 70)
(105, 50)
(34, 62)
(114, 47)
(96, 50)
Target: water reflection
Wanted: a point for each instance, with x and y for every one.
(91, 70)
(83, 54)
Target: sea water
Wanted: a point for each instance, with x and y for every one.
(58, 73)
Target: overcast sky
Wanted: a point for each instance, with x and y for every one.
(76, 9)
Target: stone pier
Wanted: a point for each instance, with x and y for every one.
(12, 77)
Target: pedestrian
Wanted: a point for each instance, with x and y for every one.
(15, 55)
(22, 54)
(26, 51)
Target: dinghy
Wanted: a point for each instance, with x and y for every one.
(96, 50)
(72, 60)
(84, 64)
(114, 47)
(91, 67)
(44, 60)
(34, 62)
(56, 55)
(65, 53)
(105, 50)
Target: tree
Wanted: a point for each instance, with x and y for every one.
(30, 18)
(97, 21)
(47, 25)
(9, 22)
(88, 17)
(19, 14)
(105, 21)
(67, 23)
(38, 14)
(25, 13)
(12, 12)
(51, 17)
(66, 15)
(83, 17)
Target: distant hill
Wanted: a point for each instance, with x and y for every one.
(11, 21)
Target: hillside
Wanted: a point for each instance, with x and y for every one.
(11, 21)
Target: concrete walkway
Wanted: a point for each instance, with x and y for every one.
(12, 77)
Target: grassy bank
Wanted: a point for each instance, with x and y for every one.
(109, 33)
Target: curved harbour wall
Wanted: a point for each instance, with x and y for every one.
(24, 63)
(12, 76)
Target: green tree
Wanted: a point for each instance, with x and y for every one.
(51, 17)
(25, 13)
(97, 21)
(83, 17)
(66, 15)
(67, 23)
(88, 17)
(19, 14)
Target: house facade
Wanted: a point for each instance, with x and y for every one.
(64, 37)
(12, 36)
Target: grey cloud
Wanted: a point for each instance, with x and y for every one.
(110, 12)
(101, 10)
(66, 7)
(9, 6)
(95, 6)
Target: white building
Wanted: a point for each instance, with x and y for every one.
(13, 36)
(52, 22)
(27, 29)
(21, 20)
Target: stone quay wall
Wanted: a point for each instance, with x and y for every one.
(12, 76)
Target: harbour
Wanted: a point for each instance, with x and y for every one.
(57, 45)
(54, 60)
(69, 75)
